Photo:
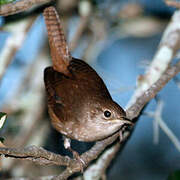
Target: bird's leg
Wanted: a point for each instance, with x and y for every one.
(67, 145)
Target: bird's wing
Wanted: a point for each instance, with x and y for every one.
(87, 75)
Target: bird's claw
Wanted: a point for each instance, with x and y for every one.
(80, 160)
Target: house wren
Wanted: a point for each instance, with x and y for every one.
(79, 103)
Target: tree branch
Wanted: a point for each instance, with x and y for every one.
(36, 154)
(14, 42)
(167, 49)
(132, 112)
(20, 6)
(135, 109)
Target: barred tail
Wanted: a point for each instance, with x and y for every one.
(59, 50)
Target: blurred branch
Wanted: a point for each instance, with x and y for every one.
(85, 12)
(20, 6)
(14, 42)
(33, 102)
(82, 25)
(173, 3)
(32, 105)
(157, 115)
(98, 169)
(167, 49)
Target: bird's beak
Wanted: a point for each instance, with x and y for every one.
(127, 121)
(124, 121)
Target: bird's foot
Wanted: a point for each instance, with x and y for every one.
(67, 145)
(79, 159)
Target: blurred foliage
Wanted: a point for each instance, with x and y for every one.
(6, 1)
(175, 175)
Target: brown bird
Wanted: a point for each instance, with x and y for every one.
(79, 103)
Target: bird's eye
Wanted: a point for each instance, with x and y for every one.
(107, 114)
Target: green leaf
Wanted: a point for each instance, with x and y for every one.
(174, 175)
(3, 117)
(6, 1)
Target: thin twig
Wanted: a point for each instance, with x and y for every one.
(85, 12)
(14, 42)
(157, 115)
(20, 6)
(82, 25)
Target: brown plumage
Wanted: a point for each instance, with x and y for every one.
(79, 103)
(59, 49)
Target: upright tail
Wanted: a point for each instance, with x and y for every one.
(59, 50)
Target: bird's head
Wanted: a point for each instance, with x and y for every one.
(105, 118)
